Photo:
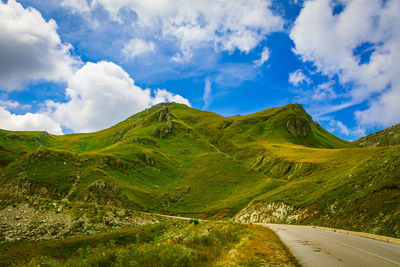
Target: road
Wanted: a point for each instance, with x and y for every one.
(317, 247)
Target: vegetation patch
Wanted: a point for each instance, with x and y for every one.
(170, 243)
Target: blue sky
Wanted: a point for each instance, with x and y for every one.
(78, 66)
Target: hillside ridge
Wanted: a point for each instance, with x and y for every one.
(386, 137)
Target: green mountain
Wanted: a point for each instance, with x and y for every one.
(277, 165)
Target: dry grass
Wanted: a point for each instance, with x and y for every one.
(261, 247)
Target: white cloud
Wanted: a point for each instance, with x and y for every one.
(83, 8)
(264, 57)
(28, 122)
(102, 94)
(12, 104)
(79, 6)
(207, 94)
(162, 95)
(136, 47)
(339, 127)
(324, 91)
(332, 42)
(99, 96)
(342, 128)
(296, 78)
(383, 111)
(31, 48)
(225, 25)
(319, 109)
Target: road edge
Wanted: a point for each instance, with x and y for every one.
(386, 239)
(382, 238)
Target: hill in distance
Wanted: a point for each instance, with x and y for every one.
(276, 165)
(387, 137)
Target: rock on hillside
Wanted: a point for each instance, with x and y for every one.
(387, 137)
(104, 193)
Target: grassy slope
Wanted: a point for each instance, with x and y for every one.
(358, 189)
(387, 137)
(159, 174)
(210, 165)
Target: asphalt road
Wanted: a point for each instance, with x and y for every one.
(316, 247)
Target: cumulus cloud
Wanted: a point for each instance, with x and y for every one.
(264, 57)
(28, 122)
(102, 94)
(296, 78)
(207, 94)
(361, 45)
(227, 26)
(31, 48)
(136, 47)
(99, 96)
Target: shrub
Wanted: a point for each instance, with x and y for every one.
(194, 221)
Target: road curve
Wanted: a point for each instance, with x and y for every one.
(317, 247)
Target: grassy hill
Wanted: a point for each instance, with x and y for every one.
(387, 137)
(273, 165)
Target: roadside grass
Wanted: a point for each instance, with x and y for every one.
(11, 252)
(262, 247)
(169, 243)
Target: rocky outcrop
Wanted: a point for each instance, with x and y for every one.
(20, 137)
(146, 141)
(14, 136)
(104, 162)
(28, 187)
(297, 127)
(39, 139)
(164, 116)
(30, 174)
(163, 132)
(386, 137)
(275, 212)
(104, 193)
(113, 162)
(146, 158)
